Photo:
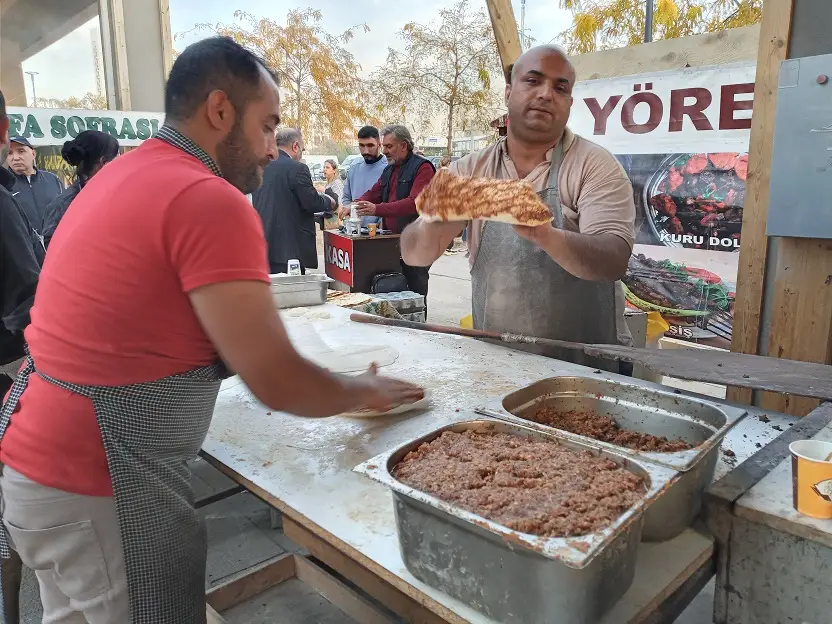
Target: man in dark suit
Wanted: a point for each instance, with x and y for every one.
(287, 203)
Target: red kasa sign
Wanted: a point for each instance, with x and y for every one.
(338, 257)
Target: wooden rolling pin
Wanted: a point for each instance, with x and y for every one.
(710, 366)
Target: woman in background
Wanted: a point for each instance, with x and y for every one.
(444, 162)
(334, 184)
(88, 153)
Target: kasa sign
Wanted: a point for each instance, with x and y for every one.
(338, 258)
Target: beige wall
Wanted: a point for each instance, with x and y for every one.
(144, 31)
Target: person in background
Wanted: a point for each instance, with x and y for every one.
(393, 196)
(557, 280)
(19, 272)
(289, 205)
(34, 188)
(155, 288)
(88, 153)
(444, 162)
(334, 184)
(362, 175)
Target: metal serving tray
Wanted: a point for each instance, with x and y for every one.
(293, 291)
(508, 575)
(646, 408)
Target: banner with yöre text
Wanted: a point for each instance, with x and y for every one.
(682, 137)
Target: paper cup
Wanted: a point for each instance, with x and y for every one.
(371, 229)
(812, 478)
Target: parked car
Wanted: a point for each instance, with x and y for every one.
(317, 171)
(347, 163)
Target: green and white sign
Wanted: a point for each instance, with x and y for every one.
(54, 126)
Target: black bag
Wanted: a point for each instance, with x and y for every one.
(388, 283)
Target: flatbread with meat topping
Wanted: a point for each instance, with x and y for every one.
(453, 198)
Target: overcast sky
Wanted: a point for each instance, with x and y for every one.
(67, 68)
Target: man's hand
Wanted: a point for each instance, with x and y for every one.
(344, 212)
(366, 209)
(541, 235)
(380, 394)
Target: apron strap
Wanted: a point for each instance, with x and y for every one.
(551, 194)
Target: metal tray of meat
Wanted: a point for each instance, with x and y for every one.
(646, 408)
(293, 291)
(508, 575)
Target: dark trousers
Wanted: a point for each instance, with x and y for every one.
(283, 267)
(417, 280)
(11, 570)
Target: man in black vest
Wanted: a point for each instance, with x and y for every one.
(393, 197)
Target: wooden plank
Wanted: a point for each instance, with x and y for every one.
(346, 599)
(212, 616)
(677, 596)
(252, 582)
(364, 572)
(505, 31)
(801, 321)
(774, 42)
(377, 587)
(167, 37)
(727, 46)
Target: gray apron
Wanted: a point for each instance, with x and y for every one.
(149, 431)
(518, 288)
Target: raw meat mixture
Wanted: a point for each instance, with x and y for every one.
(529, 485)
(603, 428)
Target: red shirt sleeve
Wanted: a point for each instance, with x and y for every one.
(407, 206)
(373, 195)
(214, 235)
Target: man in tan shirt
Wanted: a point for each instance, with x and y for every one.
(556, 280)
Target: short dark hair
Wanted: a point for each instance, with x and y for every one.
(368, 132)
(509, 72)
(2, 106)
(216, 63)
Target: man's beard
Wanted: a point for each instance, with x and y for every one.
(237, 162)
(371, 159)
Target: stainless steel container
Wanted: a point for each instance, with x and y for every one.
(507, 575)
(646, 408)
(292, 291)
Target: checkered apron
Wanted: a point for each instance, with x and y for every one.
(149, 431)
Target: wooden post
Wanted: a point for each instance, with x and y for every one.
(505, 31)
(167, 37)
(773, 48)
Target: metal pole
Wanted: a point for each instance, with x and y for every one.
(523, 25)
(32, 75)
(648, 22)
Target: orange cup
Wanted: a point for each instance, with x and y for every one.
(812, 478)
(371, 229)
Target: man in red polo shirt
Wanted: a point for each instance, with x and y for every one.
(155, 280)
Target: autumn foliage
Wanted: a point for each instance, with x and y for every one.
(320, 85)
(606, 24)
(445, 70)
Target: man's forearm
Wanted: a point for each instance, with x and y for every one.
(598, 257)
(423, 243)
